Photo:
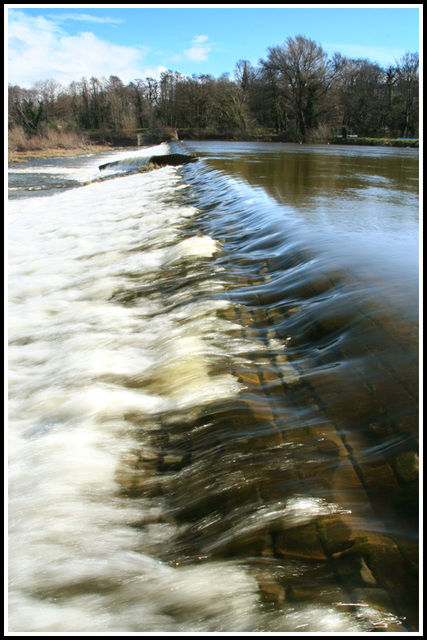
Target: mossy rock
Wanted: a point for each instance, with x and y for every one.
(301, 542)
(407, 466)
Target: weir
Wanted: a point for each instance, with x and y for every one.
(252, 406)
(302, 446)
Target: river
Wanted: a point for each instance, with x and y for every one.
(213, 420)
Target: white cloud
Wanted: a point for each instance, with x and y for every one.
(153, 72)
(199, 50)
(86, 17)
(40, 50)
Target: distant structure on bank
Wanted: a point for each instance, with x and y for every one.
(163, 134)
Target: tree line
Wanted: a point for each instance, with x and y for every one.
(297, 91)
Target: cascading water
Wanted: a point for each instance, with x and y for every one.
(209, 430)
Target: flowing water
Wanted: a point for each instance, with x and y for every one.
(213, 392)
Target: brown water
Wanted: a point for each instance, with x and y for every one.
(360, 203)
(214, 385)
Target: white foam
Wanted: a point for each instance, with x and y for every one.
(89, 170)
(202, 246)
(80, 363)
(146, 596)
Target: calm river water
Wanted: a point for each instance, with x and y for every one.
(213, 391)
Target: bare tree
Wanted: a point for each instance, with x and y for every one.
(408, 85)
(304, 77)
(364, 96)
(47, 92)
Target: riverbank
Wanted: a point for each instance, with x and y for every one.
(379, 142)
(315, 137)
(24, 155)
(50, 143)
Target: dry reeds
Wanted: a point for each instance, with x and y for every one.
(18, 140)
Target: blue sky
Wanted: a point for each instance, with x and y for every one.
(68, 42)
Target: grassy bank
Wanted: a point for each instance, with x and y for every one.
(379, 142)
(240, 135)
(23, 156)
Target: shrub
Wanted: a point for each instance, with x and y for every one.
(320, 135)
(17, 140)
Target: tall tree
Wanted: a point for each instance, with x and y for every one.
(229, 109)
(304, 77)
(244, 74)
(364, 96)
(408, 86)
(47, 92)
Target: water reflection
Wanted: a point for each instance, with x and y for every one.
(326, 178)
(295, 172)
